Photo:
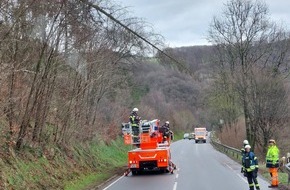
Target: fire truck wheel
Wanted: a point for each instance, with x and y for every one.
(134, 172)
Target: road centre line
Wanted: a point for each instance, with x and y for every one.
(176, 176)
(113, 183)
(175, 186)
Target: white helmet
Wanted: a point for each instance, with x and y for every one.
(135, 109)
(247, 146)
(246, 142)
(272, 141)
(167, 122)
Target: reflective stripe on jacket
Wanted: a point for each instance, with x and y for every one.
(272, 157)
(250, 161)
(134, 120)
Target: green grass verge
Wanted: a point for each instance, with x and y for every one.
(85, 181)
(178, 135)
(78, 168)
(107, 159)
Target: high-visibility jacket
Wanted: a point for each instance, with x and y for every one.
(134, 119)
(250, 162)
(272, 157)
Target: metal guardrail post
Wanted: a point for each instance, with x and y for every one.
(287, 167)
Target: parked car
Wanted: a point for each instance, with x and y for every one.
(191, 136)
(186, 135)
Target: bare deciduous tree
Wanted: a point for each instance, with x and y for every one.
(246, 39)
(59, 62)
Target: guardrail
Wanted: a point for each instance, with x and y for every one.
(233, 152)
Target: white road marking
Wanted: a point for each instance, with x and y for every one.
(113, 183)
(176, 176)
(229, 167)
(175, 186)
(238, 174)
(243, 178)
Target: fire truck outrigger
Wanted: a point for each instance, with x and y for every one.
(153, 148)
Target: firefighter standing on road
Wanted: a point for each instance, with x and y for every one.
(250, 166)
(272, 162)
(135, 121)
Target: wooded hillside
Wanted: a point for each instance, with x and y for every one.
(71, 75)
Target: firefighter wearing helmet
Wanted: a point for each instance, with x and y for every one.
(165, 130)
(272, 162)
(135, 121)
(250, 166)
(245, 143)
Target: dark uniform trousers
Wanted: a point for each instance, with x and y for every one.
(252, 180)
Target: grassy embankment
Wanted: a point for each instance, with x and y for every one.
(71, 169)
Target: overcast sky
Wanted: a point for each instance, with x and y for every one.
(186, 22)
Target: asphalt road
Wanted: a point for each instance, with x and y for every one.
(199, 167)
